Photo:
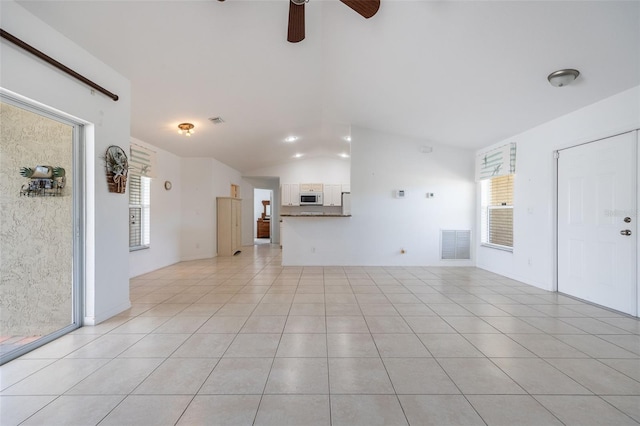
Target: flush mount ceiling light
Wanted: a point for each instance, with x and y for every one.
(298, 155)
(290, 139)
(344, 155)
(347, 138)
(562, 78)
(186, 129)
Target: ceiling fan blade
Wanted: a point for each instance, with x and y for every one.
(296, 22)
(366, 8)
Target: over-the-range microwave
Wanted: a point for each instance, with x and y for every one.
(311, 198)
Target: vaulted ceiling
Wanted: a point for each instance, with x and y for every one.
(466, 74)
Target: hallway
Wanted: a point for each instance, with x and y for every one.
(241, 340)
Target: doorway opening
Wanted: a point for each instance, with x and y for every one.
(263, 229)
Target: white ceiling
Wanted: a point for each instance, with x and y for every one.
(466, 74)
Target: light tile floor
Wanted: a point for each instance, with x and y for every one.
(242, 341)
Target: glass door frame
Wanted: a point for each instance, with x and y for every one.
(78, 221)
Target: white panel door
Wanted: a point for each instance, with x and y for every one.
(597, 193)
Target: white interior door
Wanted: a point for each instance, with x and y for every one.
(597, 222)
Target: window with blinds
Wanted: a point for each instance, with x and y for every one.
(139, 212)
(497, 211)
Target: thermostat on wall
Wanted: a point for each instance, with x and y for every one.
(399, 193)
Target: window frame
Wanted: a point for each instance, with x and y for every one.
(145, 213)
(485, 216)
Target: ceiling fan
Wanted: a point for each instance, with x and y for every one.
(295, 33)
(366, 8)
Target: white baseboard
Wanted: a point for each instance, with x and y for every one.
(103, 316)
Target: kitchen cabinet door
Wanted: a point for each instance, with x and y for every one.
(311, 187)
(290, 194)
(332, 195)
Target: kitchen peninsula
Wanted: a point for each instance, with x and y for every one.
(314, 214)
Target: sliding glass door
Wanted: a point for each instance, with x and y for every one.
(40, 227)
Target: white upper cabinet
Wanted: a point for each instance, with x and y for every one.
(332, 195)
(290, 194)
(311, 187)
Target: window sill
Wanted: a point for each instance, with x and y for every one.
(497, 247)
(138, 248)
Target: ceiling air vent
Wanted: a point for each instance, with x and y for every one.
(216, 120)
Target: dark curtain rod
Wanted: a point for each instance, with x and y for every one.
(51, 61)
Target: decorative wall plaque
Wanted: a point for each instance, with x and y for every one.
(117, 166)
(44, 181)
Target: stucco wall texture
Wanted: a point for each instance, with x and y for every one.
(36, 233)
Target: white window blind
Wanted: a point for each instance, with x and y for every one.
(142, 161)
(497, 162)
(496, 216)
(139, 212)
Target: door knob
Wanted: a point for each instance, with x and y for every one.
(625, 232)
(627, 219)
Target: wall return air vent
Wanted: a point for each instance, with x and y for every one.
(455, 244)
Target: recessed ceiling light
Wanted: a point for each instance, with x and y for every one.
(298, 155)
(291, 139)
(344, 155)
(347, 138)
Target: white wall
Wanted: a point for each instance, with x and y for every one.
(166, 216)
(382, 225)
(202, 180)
(311, 170)
(107, 123)
(533, 257)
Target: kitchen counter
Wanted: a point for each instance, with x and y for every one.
(314, 215)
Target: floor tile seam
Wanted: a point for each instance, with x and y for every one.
(124, 397)
(564, 318)
(599, 360)
(53, 360)
(168, 357)
(52, 401)
(386, 370)
(113, 332)
(505, 335)
(553, 336)
(457, 386)
(557, 372)
(603, 340)
(273, 360)
(326, 339)
(118, 355)
(595, 395)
